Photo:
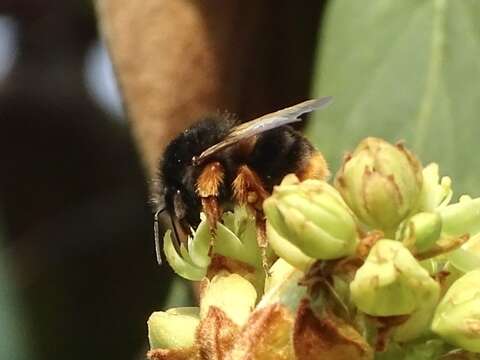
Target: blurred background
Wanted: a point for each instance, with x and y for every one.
(78, 277)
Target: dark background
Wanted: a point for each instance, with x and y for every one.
(73, 193)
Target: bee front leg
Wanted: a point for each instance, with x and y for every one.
(213, 211)
(248, 190)
(208, 189)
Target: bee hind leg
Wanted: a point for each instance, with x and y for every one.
(208, 189)
(261, 227)
(248, 190)
(315, 168)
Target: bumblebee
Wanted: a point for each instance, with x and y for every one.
(218, 162)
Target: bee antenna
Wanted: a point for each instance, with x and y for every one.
(156, 232)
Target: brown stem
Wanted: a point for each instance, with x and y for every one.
(177, 60)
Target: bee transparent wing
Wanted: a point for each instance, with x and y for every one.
(267, 122)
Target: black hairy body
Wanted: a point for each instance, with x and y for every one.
(178, 176)
(217, 162)
(272, 155)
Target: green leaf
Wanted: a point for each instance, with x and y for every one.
(402, 70)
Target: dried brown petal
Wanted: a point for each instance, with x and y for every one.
(327, 338)
(266, 335)
(173, 354)
(216, 335)
(223, 263)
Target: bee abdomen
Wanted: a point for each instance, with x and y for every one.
(279, 152)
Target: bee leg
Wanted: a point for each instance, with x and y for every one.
(213, 211)
(261, 227)
(248, 190)
(208, 189)
(315, 168)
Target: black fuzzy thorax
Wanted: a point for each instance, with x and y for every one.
(177, 171)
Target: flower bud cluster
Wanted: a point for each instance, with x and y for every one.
(235, 238)
(380, 260)
(313, 218)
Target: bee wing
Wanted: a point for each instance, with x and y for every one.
(264, 123)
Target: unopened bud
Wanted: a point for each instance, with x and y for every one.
(391, 282)
(231, 293)
(174, 328)
(461, 218)
(436, 193)
(313, 217)
(235, 238)
(457, 317)
(381, 183)
(420, 232)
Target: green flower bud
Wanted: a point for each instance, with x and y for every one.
(467, 257)
(418, 324)
(236, 238)
(381, 183)
(420, 232)
(391, 282)
(174, 328)
(435, 193)
(461, 218)
(460, 224)
(231, 293)
(287, 251)
(312, 216)
(181, 263)
(457, 317)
